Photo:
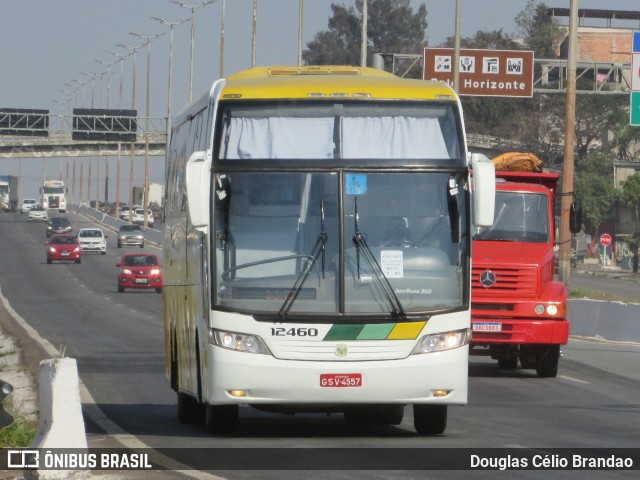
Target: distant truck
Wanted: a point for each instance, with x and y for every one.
(54, 195)
(518, 310)
(9, 193)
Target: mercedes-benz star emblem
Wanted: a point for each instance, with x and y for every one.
(487, 279)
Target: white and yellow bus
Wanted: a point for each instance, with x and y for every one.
(287, 286)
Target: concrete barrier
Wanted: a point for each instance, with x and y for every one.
(615, 321)
(61, 422)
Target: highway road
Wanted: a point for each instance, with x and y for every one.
(117, 340)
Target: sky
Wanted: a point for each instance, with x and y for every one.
(48, 44)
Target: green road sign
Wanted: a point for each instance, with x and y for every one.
(635, 109)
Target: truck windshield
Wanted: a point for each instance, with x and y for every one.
(519, 217)
(339, 242)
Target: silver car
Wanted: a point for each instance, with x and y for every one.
(38, 214)
(27, 204)
(130, 235)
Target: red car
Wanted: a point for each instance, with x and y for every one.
(63, 248)
(139, 270)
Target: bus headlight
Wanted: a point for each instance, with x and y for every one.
(439, 342)
(239, 342)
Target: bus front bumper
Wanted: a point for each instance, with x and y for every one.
(244, 378)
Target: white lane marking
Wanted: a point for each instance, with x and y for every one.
(571, 379)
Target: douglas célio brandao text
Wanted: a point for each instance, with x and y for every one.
(574, 461)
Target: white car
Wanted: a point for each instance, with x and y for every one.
(27, 204)
(92, 240)
(138, 217)
(38, 214)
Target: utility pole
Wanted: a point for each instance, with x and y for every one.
(564, 269)
(300, 17)
(363, 46)
(456, 49)
(253, 43)
(224, 12)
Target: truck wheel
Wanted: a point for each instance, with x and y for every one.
(430, 419)
(221, 419)
(508, 362)
(548, 362)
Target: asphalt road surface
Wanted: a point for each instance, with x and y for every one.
(117, 340)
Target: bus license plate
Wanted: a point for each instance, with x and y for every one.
(487, 327)
(338, 380)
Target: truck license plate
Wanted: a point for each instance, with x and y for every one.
(341, 380)
(487, 327)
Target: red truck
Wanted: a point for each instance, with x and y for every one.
(518, 310)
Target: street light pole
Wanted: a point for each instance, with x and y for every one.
(131, 162)
(120, 59)
(171, 25)
(108, 73)
(193, 34)
(145, 205)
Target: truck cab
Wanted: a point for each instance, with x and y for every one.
(518, 309)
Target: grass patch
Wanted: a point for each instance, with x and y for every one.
(19, 434)
(599, 295)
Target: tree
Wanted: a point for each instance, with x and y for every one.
(392, 27)
(493, 40)
(541, 33)
(630, 197)
(594, 187)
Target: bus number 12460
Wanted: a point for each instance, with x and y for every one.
(294, 332)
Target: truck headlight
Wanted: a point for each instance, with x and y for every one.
(239, 342)
(440, 342)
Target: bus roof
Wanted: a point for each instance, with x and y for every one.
(333, 81)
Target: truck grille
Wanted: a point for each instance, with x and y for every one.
(508, 281)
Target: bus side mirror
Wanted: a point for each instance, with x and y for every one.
(575, 217)
(197, 176)
(484, 190)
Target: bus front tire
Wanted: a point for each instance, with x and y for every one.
(190, 411)
(430, 419)
(221, 419)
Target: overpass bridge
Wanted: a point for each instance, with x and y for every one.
(39, 134)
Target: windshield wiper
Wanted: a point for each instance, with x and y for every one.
(360, 241)
(318, 248)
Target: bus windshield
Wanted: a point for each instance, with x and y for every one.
(339, 242)
(348, 130)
